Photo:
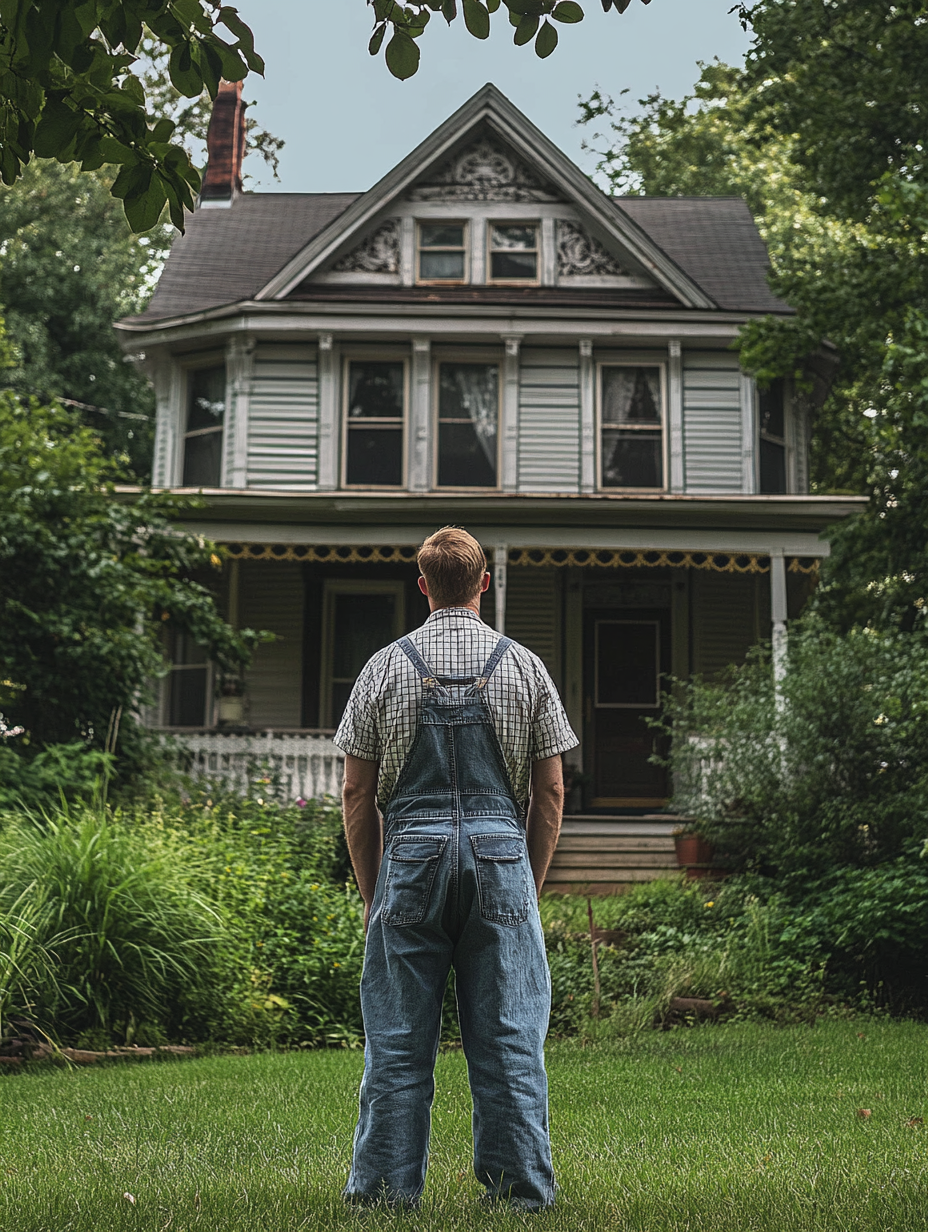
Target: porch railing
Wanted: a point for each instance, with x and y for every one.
(299, 765)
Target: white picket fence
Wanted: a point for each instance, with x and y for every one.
(299, 765)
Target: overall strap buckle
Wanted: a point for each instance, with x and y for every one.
(422, 668)
(493, 662)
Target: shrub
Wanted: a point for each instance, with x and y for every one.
(73, 771)
(833, 773)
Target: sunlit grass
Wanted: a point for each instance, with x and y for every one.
(716, 1129)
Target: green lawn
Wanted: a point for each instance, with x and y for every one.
(722, 1128)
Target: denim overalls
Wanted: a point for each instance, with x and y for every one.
(455, 889)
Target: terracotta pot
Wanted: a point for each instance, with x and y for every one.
(692, 850)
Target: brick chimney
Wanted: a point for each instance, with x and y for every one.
(225, 147)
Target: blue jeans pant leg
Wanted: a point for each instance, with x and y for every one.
(402, 988)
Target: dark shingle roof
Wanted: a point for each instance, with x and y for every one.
(227, 255)
(714, 240)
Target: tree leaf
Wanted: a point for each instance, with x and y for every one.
(449, 10)
(377, 37)
(568, 12)
(546, 41)
(477, 19)
(492, 5)
(56, 128)
(143, 211)
(185, 75)
(402, 56)
(525, 31)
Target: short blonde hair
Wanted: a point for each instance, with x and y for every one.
(453, 564)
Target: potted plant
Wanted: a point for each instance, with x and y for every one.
(694, 853)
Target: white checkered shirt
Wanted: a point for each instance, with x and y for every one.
(381, 717)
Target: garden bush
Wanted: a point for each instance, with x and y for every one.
(831, 773)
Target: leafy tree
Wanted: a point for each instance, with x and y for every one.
(88, 583)
(68, 90)
(848, 242)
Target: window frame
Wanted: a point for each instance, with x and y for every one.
(209, 717)
(782, 442)
(331, 589)
(373, 356)
(189, 365)
(487, 357)
(513, 222)
(661, 365)
(465, 224)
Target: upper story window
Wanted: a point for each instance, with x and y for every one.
(374, 421)
(468, 417)
(442, 253)
(772, 438)
(513, 252)
(632, 427)
(206, 406)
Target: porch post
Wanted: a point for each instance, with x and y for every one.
(778, 613)
(500, 559)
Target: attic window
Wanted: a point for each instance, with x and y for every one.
(513, 253)
(442, 251)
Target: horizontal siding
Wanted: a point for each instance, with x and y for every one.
(272, 599)
(533, 613)
(283, 419)
(725, 620)
(712, 426)
(549, 421)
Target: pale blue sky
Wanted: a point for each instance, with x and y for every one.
(346, 121)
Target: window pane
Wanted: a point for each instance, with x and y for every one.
(206, 397)
(632, 459)
(771, 410)
(375, 390)
(441, 265)
(513, 265)
(512, 237)
(186, 651)
(375, 456)
(468, 393)
(772, 467)
(632, 395)
(626, 663)
(187, 701)
(203, 460)
(441, 235)
(362, 625)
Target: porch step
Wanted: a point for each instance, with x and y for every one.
(605, 855)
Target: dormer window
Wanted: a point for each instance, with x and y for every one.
(206, 405)
(442, 252)
(513, 252)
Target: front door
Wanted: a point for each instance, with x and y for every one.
(627, 652)
(359, 617)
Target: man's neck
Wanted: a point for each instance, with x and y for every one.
(473, 606)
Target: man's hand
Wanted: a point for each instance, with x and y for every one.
(363, 830)
(543, 824)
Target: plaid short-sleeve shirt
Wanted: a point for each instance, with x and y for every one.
(381, 717)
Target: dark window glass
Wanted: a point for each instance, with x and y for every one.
(514, 253)
(206, 404)
(441, 252)
(632, 439)
(362, 624)
(626, 663)
(374, 449)
(187, 683)
(772, 438)
(772, 467)
(468, 410)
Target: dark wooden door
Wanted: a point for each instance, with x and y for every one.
(627, 653)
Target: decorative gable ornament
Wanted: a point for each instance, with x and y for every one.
(579, 254)
(379, 253)
(483, 171)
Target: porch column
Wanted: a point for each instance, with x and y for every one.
(500, 561)
(778, 612)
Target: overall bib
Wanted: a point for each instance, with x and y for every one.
(455, 889)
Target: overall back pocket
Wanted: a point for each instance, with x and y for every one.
(504, 879)
(412, 863)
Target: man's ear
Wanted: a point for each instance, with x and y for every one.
(484, 585)
(423, 586)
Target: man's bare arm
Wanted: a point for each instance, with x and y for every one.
(545, 807)
(363, 830)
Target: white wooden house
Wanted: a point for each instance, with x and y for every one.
(487, 339)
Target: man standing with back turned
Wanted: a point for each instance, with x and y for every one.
(452, 731)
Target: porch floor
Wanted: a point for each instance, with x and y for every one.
(606, 855)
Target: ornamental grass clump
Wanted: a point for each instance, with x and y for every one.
(105, 926)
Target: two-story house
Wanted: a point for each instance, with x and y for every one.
(483, 338)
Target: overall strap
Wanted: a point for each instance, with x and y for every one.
(493, 662)
(408, 649)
